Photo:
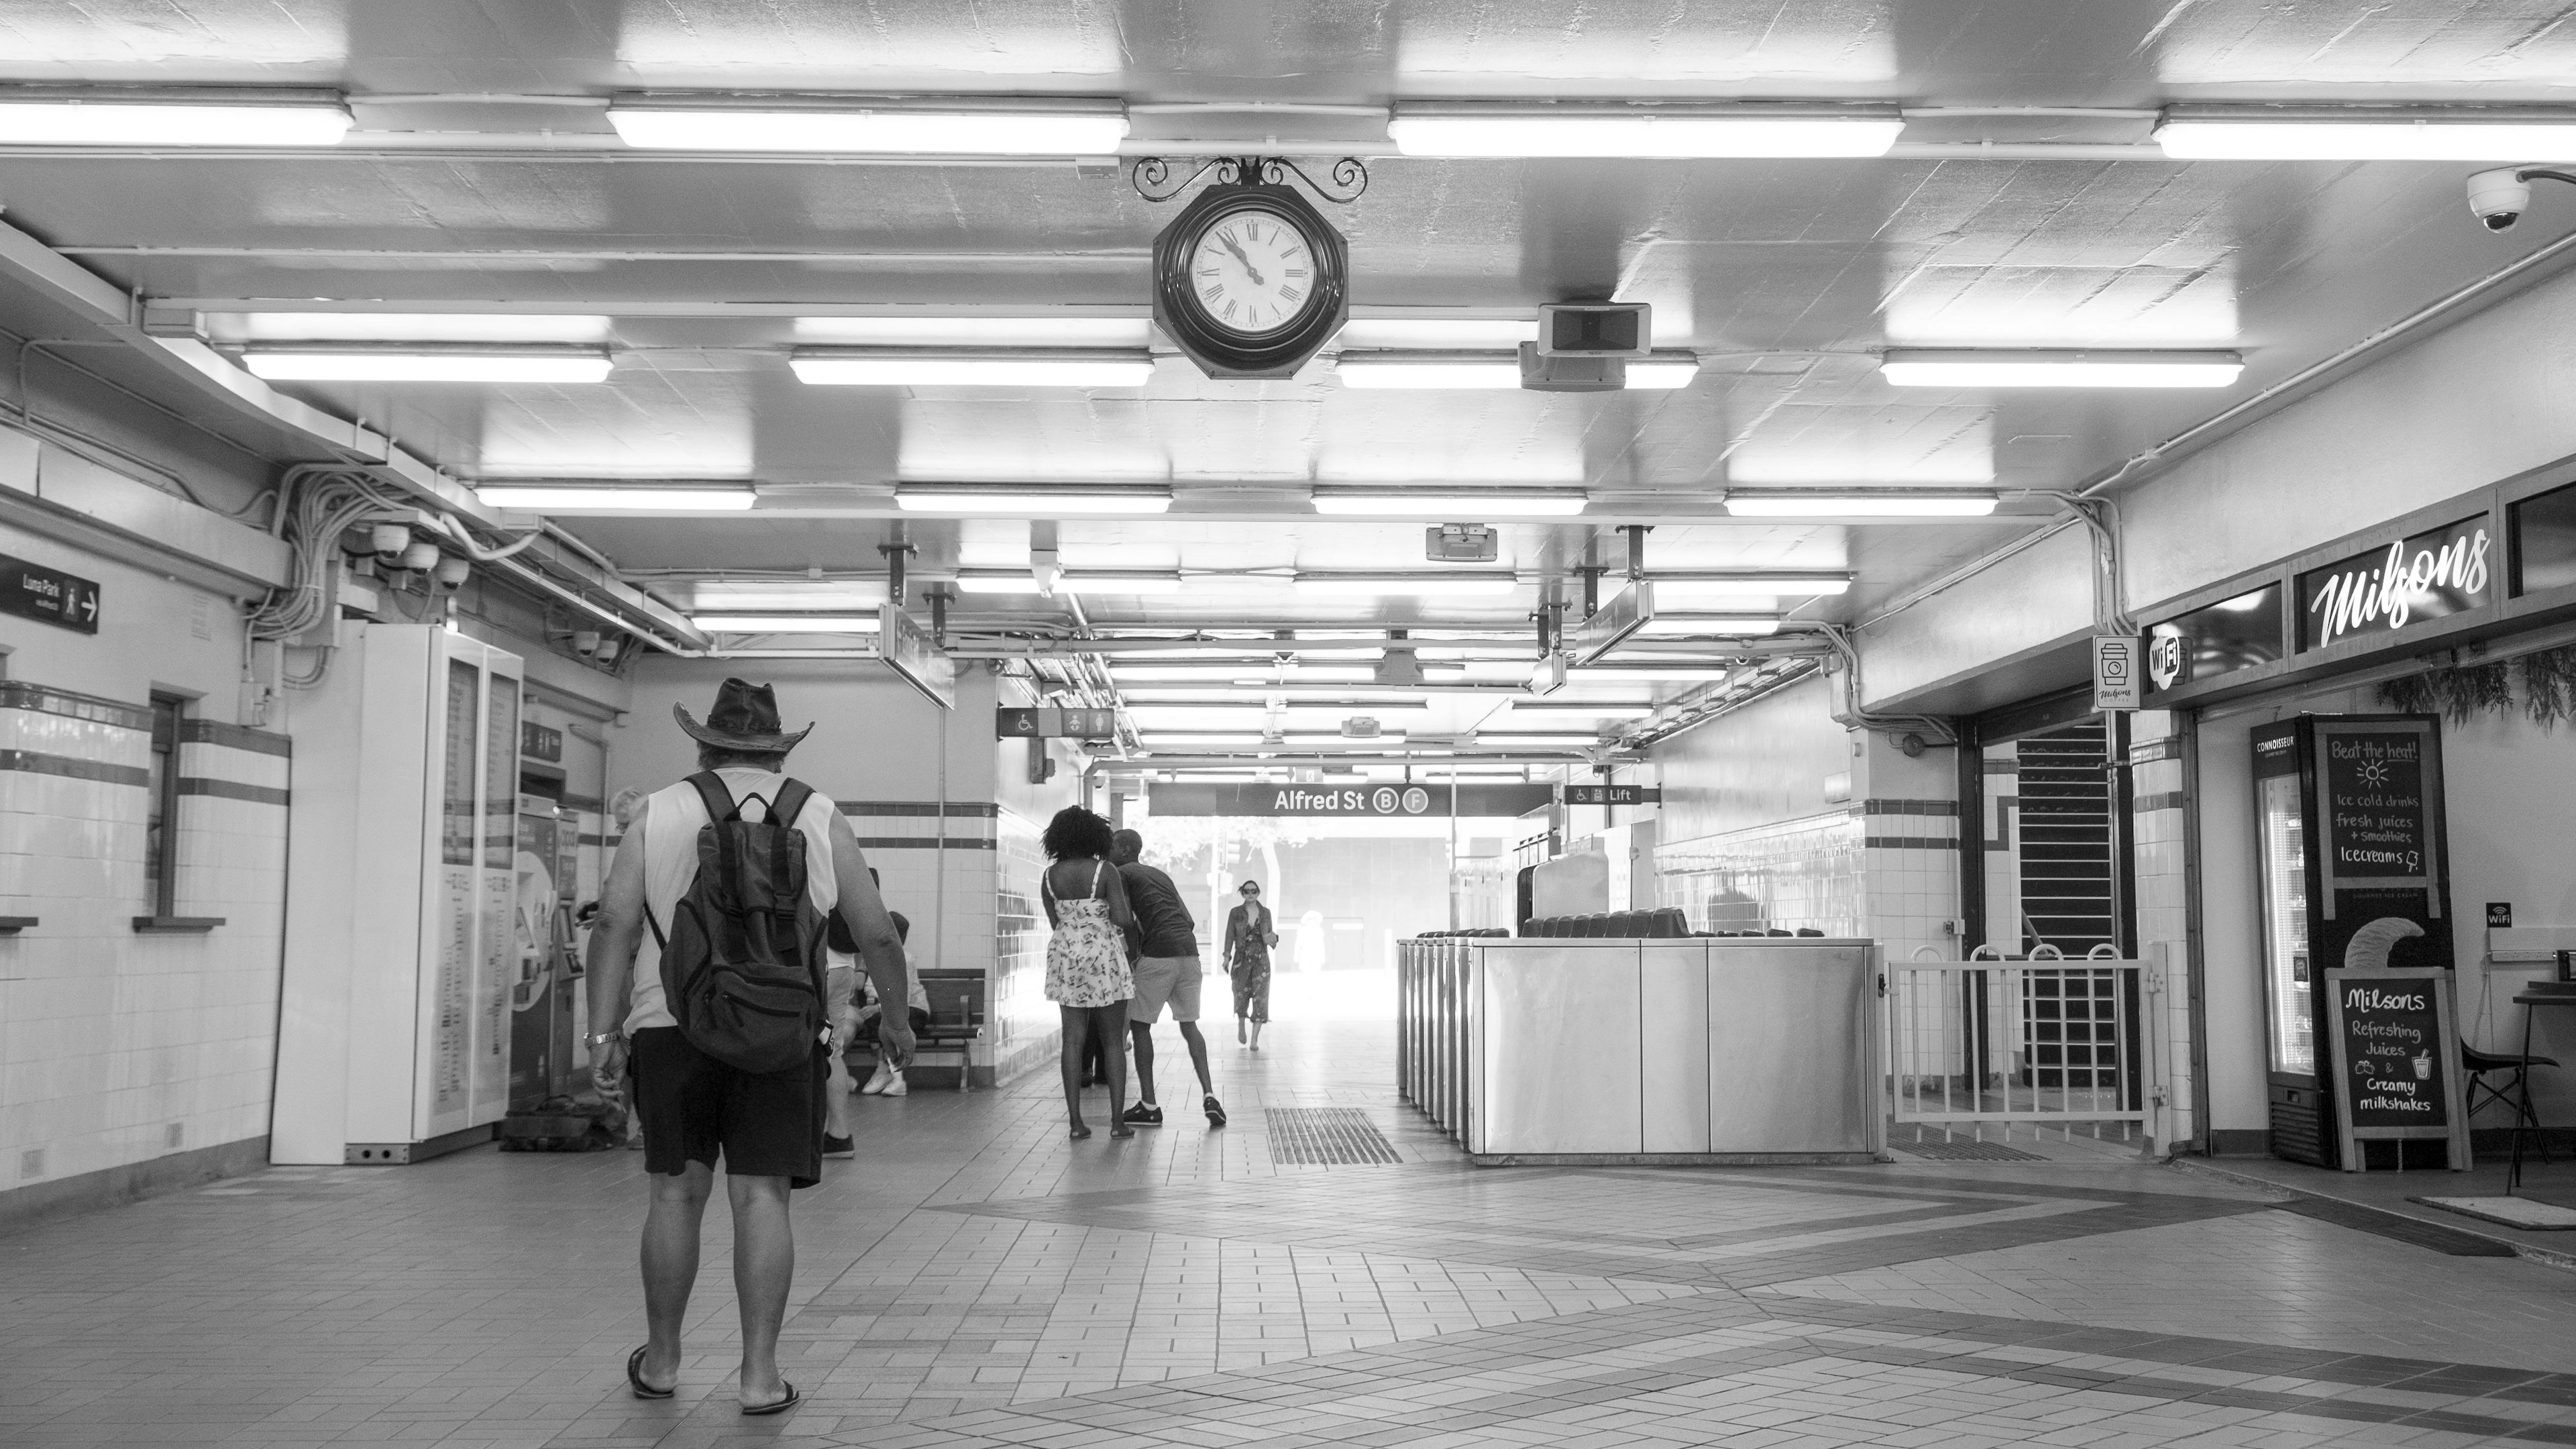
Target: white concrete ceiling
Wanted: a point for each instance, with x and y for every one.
(1786, 275)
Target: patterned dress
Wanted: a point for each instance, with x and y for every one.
(1086, 963)
(1247, 957)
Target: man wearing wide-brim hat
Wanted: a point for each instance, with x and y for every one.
(767, 1128)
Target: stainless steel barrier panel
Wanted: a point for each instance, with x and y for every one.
(2047, 1041)
(1697, 1050)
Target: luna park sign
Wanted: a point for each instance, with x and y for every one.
(2430, 575)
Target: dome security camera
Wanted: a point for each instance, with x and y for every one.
(2499, 197)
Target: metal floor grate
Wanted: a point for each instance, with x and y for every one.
(1963, 1149)
(1326, 1137)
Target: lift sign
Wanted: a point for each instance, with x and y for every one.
(47, 596)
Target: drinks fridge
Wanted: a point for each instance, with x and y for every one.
(2354, 870)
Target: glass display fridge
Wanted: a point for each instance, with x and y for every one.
(2353, 871)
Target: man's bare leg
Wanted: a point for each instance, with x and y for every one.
(764, 1264)
(1198, 1058)
(670, 1259)
(1143, 1034)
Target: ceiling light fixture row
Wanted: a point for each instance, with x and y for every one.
(1058, 126)
(1087, 500)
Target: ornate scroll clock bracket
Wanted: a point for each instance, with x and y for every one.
(1250, 280)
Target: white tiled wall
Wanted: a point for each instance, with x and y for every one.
(122, 1046)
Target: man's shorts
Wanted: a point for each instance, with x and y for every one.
(1165, 978)
(697, 1109)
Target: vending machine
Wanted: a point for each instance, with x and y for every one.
(2354, 870)
(401, 944)
(545, 976)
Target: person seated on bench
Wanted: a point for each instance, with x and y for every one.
(888, 1080)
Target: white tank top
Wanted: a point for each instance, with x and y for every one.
(672, 819)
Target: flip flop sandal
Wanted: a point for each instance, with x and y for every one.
(635, 1378)
(782, 1406)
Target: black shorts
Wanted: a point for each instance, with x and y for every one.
(696, 1108)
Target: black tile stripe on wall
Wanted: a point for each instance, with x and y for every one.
(1909, 807)
(232, 790)
(957, 809)
(2169, 800)
(922, 842)
(35, 762)
(22, 694)
(236, 737)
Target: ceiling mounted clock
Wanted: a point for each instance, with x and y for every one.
(1250, 280)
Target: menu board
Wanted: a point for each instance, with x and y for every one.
(2399, 1055)
(2379, 840)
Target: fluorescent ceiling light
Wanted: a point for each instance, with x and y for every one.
(1179, 673)
(1445, 503)
(1749, 586)
(404, 327)
(1661, 373)
(955, 329)
(1458, 333)
(714, 597)
(444, 366)
(1977, 367)
(786, 623)
(656, 123)
(1883, 504)
(1560, 739)
(613, 498)
(1679, 673)
(1391, 369)
(974, 367)
(1063, 500)
(1379, 584)
(66, 122)
(1741, 624)
(1516, 130)
(1153, 740)
(1082, 583)
(1578, 707)
(2362, 135)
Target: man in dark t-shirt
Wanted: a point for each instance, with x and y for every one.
(1167, 969)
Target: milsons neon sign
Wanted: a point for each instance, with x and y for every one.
(2424, 577)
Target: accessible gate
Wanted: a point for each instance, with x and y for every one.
(2049, 1041)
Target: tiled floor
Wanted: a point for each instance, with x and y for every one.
(976, 1280)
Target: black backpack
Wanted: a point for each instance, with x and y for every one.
(743, 967)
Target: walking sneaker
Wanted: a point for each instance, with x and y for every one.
(1144, 1114)
(877, 1083)
(895, 1086)
(1215, 1112)
(839, 1146)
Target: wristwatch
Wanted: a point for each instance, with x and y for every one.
(602, 1038)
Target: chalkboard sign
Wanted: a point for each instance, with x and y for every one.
(2399, 1052)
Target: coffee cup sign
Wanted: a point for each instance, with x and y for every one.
(2400, 1059)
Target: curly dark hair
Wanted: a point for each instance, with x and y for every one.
(1075, 833)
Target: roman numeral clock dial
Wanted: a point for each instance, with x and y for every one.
(1250, 281)
(1252, 272)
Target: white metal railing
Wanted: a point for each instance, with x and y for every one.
(2049, 1041)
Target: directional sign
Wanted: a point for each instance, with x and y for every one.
(2116, 682)
(907, 647)
(1610, 794)
(48, 595)
(1050, 723)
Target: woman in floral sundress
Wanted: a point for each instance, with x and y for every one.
(1087, 958)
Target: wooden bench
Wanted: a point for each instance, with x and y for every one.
(956, 1001)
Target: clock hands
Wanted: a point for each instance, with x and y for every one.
(1229, 244)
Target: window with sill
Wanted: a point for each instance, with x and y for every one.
(161, 826)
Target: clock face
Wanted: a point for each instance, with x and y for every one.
(1252, 271)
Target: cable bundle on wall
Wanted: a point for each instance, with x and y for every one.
(320, 504)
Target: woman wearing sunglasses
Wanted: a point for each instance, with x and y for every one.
(1249, 934)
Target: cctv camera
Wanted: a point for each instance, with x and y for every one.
(2499, 197)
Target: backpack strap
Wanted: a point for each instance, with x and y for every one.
(717, 795)
(790, 803)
